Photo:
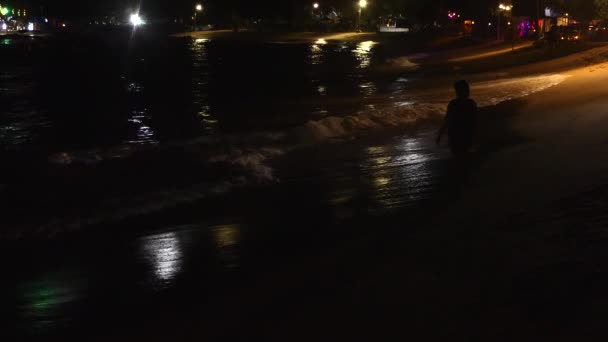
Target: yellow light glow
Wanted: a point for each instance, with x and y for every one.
(321, 41)
(227, 239)
(362, 3)
(199, 7)
(363, 53)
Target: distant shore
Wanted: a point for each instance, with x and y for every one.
(286, 37)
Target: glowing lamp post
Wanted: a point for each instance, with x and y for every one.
(362, 5)
(197, 9)
(136, 20)
(502, 8)
(313, 13)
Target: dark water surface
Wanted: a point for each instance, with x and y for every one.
(177, 254)
(105, 90)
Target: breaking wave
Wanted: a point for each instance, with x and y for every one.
(252, 154)
(252, 151)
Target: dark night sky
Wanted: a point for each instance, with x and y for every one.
(168, 8)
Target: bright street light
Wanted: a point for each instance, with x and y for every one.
(136, 20)
(199, 7)
(315, 5)
(362, 4)
(501, 8)
(505, 7)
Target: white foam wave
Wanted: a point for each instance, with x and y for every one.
(404, 63)
(252, 153)
(252, 160)
(352, 125)
(410, 113)
(491, 93)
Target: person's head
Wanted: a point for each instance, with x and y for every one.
(462, 89)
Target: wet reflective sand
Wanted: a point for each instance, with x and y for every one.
(226, 241)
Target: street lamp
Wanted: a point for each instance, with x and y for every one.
(197, 9)
(315, 5)
(501, 8)
(136, 20)
(362, 5)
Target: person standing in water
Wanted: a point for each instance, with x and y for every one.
(459, 120)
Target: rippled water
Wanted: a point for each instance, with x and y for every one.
(95, 92)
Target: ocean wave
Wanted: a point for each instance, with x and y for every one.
(252, 153)
(402, 63)
(339, 127)
(253, 160)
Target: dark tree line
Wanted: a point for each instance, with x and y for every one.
(219, 10)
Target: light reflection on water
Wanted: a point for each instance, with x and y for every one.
(363, 53)
(200, 83)
(165, 255)
(227, 239)
(45, 300)
(398, 170)
(367, 88)
(316, 54)
(322, 90)
(186, 89)
(134, 87)
(144, 133)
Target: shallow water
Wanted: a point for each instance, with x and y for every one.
(94, 91)
(187, 258)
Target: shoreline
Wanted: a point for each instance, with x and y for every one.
(289, 37)
(440, 87)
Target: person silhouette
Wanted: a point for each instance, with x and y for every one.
(459, 120)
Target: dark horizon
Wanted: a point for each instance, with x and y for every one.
(225, 9)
